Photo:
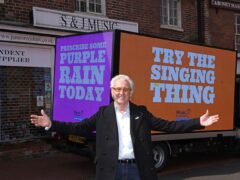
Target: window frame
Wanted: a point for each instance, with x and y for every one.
(103, 7)
(168, 10)
(237, 32)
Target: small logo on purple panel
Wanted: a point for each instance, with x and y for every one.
(78, 115)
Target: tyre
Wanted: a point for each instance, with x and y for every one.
(161, 155)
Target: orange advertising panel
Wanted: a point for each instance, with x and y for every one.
(178, 81)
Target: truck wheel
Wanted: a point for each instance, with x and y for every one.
(161, 155)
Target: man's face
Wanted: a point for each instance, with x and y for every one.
(121, 92)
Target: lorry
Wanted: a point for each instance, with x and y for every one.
(175, 80)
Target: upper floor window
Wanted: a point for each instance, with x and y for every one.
(91, 6)
(171, 14)
(237, 33)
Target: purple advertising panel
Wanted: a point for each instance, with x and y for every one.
(82, 75)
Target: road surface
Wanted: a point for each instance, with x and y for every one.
(68, 166)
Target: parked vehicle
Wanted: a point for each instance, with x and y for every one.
(175, 80)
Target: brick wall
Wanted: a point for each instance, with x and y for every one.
(146, 14)
(221, 27)
(148, 17)
(21, 11)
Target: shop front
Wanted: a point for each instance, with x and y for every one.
(26, 69)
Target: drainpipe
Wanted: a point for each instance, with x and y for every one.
(200, 19)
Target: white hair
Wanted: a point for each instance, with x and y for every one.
(122, 77)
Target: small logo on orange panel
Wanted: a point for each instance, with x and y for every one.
(183, 114)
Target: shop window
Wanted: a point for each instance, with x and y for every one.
(23, 91)
(170, 12)
(91, 6)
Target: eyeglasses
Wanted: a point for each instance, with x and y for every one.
(119, 89)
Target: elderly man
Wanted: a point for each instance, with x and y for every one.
(123, 139)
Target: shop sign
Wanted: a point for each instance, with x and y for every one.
(25, 55)
(226, 4)
(78, 22)
(26, 38)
